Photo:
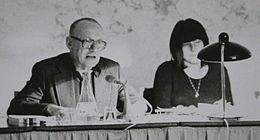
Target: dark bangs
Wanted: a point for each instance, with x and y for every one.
(192, 30)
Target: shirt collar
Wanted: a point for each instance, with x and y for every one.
(95, 71)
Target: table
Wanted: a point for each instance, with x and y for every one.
(246, 129)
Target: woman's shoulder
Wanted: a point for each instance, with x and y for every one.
(215, 66)
(167, 66)
(169, 63)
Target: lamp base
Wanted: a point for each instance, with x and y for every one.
(222, 117)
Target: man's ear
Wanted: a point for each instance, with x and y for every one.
(68, 42)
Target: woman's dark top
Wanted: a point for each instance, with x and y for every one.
(172, 87)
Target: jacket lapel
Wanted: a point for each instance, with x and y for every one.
(105, 93)
(66, 92)
(65, 89)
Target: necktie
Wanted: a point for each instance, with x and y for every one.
(86, 97)
(86, 94)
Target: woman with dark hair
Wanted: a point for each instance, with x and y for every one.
(185, 80)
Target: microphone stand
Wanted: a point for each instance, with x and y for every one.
(127, 105)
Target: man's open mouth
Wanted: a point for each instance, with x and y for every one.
(93, 57)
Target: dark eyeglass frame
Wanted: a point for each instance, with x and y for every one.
(88, 43)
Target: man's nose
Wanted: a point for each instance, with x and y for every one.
(92, 48)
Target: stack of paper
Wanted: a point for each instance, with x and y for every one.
(25, 120)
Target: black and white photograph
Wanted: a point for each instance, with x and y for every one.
(129, 70)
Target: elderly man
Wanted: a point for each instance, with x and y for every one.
(70, 78)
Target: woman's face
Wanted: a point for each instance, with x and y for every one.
(191, 50)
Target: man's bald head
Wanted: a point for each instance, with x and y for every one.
(86, 20)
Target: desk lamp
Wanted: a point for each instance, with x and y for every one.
(220, 52)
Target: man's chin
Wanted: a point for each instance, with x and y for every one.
(91, 63)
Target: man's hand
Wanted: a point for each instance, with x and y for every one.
(55, 110)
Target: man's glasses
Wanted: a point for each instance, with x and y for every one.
(88, 43)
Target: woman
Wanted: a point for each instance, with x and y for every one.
(186, 80)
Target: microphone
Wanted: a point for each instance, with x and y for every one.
(112, 79)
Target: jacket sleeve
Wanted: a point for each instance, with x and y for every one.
(162, 87)
(27, 102)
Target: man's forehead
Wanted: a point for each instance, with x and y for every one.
(86, 27)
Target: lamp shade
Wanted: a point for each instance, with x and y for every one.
(232, 51)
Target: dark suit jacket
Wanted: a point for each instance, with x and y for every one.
(53, 81)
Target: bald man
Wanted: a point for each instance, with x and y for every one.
(57, 82)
